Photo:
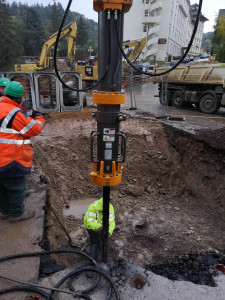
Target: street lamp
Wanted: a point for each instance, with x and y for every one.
(90, 50)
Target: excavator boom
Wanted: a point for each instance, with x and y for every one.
(44, 61)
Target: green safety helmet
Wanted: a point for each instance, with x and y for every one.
(14, 89)
(4, 81)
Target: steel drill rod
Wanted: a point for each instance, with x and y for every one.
(105, 225)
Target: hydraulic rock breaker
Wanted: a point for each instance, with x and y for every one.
(110, 141)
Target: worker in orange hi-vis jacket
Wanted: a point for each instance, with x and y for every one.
(16, 152)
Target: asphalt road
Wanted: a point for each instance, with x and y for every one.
(143, 98)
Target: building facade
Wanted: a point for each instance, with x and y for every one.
(168, 26)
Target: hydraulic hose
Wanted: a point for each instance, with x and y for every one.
(24, 289)
(75, 293)
(55, 55)
(179, 61)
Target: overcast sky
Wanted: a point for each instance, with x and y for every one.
(210, 8)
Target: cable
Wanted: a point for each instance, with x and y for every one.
(55, 54)
(23, 289)
(179, 61)
(74, 292)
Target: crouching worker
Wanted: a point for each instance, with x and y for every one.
(16, 152)
(93, 224)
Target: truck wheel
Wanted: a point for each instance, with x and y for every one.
(178, 99)
(208, 103)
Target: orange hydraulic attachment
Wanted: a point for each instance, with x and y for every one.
(108, 98)
(102, 179)
(112, 4)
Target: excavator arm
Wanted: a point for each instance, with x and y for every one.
(71, 31)
(44, 61)
(137, 46)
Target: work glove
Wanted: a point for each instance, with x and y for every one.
(36, 113)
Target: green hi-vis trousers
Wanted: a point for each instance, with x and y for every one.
(12, 194)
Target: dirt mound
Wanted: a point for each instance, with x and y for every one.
(170, 201)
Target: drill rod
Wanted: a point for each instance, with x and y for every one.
(105, 225)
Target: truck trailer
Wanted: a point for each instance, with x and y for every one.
(196, 85)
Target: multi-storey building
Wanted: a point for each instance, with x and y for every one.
(167, 24)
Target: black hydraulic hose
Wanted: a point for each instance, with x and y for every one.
(71, 287)
(76, 293)
(84, 269)
(179, 61)
(55, 55)
(24, 289)
(32, 254)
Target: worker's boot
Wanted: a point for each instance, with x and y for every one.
(25, 216)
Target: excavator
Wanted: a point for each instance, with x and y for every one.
(89, 69)
(44, 61)
(138, 46)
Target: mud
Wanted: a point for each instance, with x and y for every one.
(170, 201)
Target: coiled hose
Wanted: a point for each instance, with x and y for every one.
(74, 293)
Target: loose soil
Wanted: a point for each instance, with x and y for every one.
(171, 199)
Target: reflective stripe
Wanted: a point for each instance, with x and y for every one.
(8, 130)
(91, 214)
(9, 116)
(16, 142)
(112, 215)
(92, 220)
(40, 123)
(95, 203)
(28, 127)
(110, 219)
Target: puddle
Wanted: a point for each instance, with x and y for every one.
(78, 208)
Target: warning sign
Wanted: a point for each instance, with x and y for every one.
(109, 131)
(108, 138)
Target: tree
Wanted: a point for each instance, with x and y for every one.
(33, 34)
(82, 32)
(55, 18)
(219, 39)
(10, 47)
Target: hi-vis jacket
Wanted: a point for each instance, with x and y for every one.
(16, 129)
(93, 217)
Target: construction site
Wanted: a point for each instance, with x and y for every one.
(158, 161)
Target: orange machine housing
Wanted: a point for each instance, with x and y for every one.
(112, 4)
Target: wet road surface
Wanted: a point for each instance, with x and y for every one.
(143, 97)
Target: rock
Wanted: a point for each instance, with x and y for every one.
(135, 190)
(176, 208)
(141, 224)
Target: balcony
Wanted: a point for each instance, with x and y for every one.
(156, 5)
(152, 19)
(154, 29)
(152, 41)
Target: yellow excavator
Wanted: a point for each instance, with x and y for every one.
(89, 69)
(44, 61)
(137, 46)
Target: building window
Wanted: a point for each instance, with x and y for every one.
(147, 1)
(145, 28)
(146, 13)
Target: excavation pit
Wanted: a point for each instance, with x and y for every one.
(172, 184)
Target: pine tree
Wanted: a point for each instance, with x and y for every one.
(55, 18)
(33, 34)
(82, 32)
(9, 44)
(219, 39)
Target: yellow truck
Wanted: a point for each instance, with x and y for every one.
(198, 85)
